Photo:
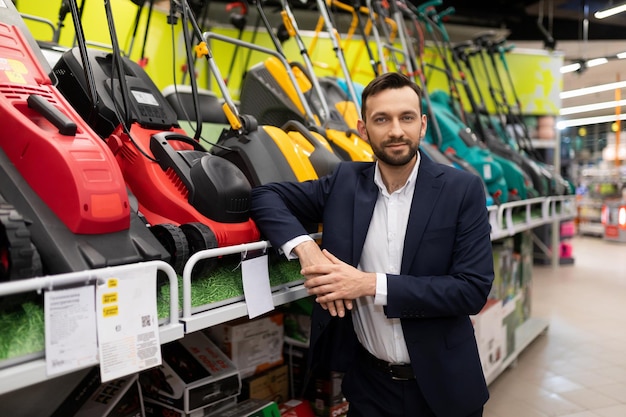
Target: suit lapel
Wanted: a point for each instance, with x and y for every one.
(427, 188)
(365, 196)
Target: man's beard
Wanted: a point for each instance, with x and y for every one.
(393, 159)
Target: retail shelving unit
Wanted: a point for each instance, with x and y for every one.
(599, 185)
(589, 215)
(33, 371)
(506, 220)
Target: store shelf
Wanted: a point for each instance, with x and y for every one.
(514, 217)
(507, 219)
(589, 219)
(33, 371)
(212, 315)
(591, 228)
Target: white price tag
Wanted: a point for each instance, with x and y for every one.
(256, 286)
(128, 330)
(70, 329)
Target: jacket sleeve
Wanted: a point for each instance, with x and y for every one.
(285, 210)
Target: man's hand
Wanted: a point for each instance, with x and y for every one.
(338, 281)
(310, 256)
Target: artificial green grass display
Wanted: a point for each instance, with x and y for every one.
(22, 330)
(23, 325)
(224, 283)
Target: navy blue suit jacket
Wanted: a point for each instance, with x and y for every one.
(446, 272)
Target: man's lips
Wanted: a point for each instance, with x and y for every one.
(396, 145)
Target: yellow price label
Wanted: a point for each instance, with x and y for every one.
(109, 298)
(112, 283)
(110, 311)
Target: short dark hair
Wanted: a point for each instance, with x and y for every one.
(389, 80)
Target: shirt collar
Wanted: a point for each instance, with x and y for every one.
(378, 179)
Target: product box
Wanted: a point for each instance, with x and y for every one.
(329, 400)
(272, 385)
(296, 408)
(490, 336)
(298, 320)
(252, 345)
(195, 374)
(253, 408)
(118, 398)
(296, 359)
(154, 409)
(504, 280)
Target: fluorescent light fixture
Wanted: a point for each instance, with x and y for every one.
(570, 68)
(588, 121)
(621, 55)
(591, 107)
(592, 90)
(610, 12)
(595, 62)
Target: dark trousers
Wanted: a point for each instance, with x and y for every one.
(372, 393)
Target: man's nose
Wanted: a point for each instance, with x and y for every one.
(396, 130)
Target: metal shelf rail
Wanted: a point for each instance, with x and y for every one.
(213, 315)
(513, 217)
(34, 371)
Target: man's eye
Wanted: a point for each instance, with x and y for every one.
(380, 119)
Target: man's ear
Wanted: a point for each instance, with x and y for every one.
(360, 127)
(424, 126)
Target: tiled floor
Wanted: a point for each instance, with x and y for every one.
(578, 367)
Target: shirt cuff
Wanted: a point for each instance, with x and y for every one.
(287, 248)
(381, 289)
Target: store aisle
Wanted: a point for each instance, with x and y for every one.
(578, 367)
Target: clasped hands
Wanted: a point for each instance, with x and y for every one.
(335, 283)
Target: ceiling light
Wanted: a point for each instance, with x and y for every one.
(610, 12)
(595, 62)
(621, 55)
(592, 90)
(591, 107)
(570, 68)
(588, 121)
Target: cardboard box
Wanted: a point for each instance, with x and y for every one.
(195, 374)
(253, 345)
(329, 400)
(118, 398)
(272, 385)
(253, 408)
(296, 408)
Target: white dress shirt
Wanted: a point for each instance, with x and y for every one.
(382, 253)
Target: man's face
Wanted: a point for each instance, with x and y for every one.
(394, 125)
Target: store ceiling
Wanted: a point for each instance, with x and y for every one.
(566, 27)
